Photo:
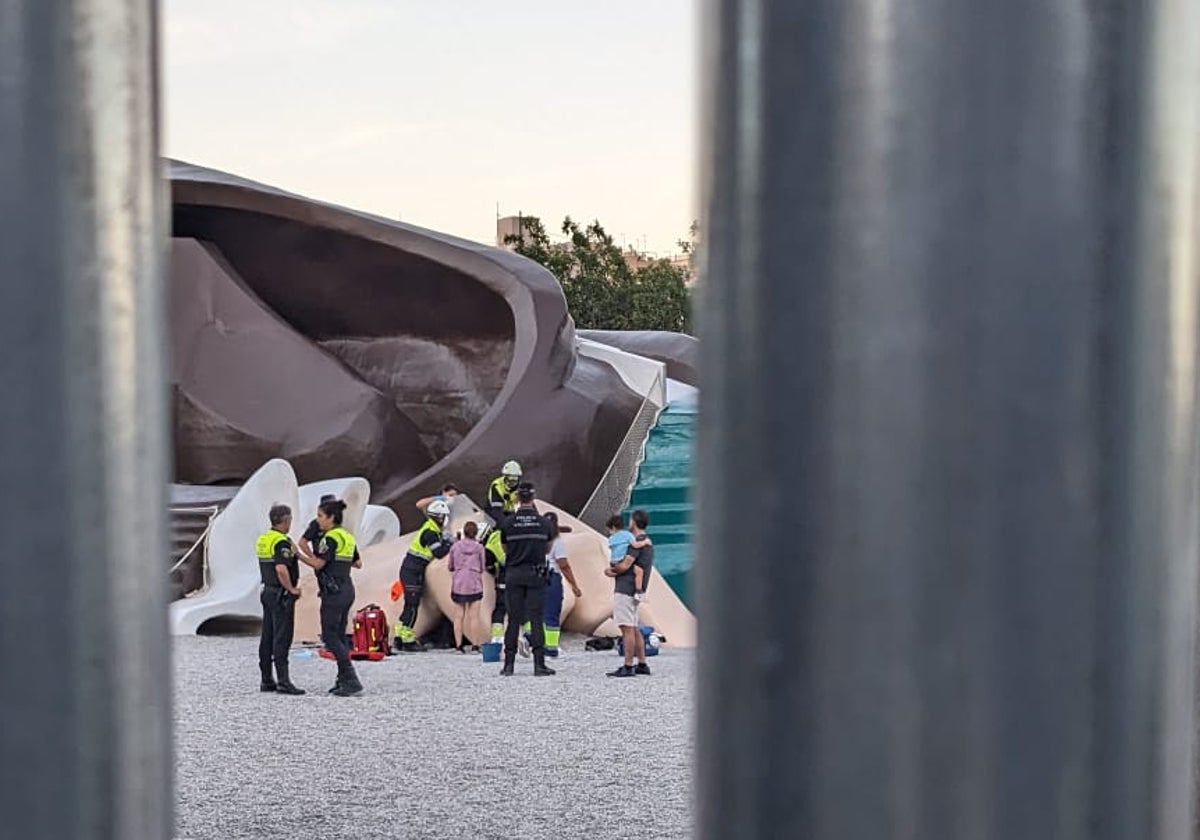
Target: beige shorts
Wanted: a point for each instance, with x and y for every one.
(625, 610)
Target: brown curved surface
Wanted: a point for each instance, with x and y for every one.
(433, 358)
(678, 351)
(229, 354)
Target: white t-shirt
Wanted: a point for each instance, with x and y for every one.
(557, 551)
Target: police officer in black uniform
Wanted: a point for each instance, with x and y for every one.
(280, 577)
(525, 534)
(336, 554)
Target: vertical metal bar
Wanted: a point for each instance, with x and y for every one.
(947, 566)
(85, 737)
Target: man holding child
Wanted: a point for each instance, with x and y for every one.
(631, 561)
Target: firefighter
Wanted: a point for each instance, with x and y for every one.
(502, 492)
(493, 564)
(430, 542)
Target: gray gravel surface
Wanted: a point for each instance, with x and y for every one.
(438, 746)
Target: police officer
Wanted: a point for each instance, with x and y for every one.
(280, 577)
(525, 535)
(502, 492)
(430, 542)
(336, 554)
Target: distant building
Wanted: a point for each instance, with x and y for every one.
(507, 226)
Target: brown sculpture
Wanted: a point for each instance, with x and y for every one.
(352, 344)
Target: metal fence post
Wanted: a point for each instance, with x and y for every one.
(85, 740)
(947, 558)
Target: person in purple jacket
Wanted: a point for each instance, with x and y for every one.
(466, 587)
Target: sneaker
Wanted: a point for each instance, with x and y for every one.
(623, 671)
(523, 647)
(641, 669)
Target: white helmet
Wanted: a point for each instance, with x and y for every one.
(512, 473)
(511, 469)
(439, 510)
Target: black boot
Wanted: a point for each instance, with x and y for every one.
(348, 684)
(510, 659)
(539, 664)
(268, 681)
(285, 683)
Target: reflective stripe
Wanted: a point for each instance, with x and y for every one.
(267, 543)
(516, 537)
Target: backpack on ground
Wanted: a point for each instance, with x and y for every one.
(652, 639)
(370, 637)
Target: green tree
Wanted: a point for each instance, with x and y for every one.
(660, 299)
(602, 291)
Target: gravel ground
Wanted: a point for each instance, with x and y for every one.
(438, 746)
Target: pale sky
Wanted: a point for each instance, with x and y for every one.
(435, 110)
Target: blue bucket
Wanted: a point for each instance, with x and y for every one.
(491, 651)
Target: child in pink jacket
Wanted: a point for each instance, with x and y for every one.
(466, 586)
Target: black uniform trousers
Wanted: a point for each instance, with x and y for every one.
(500, 608)
(525, 594)
(279, 620)
(335, 610)
(412, 576)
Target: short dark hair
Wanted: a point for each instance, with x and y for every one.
(334, 509)
(328, 497)
(278, 513)
(448, 486)
(525, 492)
(641, 519)
(470, 529)
(616, 521)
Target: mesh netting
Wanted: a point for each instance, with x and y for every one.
(612, 493)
